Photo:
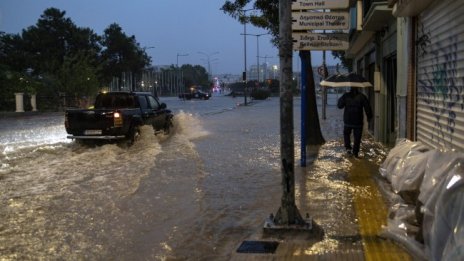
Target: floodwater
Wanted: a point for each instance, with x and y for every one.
(195, 194)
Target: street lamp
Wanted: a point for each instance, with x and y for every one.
(275, 68)
(208, 56)
(177, 64)
(265, 62)
(145, 48)
(243, 11)
(177, 70)
(257, 50)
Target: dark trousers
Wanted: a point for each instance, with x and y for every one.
(357, 133)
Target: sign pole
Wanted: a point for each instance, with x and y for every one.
(324, 89)
(303, 111)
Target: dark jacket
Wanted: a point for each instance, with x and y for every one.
(354, 102)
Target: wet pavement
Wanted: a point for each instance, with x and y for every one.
(340, 193)
(207, 188)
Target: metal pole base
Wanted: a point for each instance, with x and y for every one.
(307, 226)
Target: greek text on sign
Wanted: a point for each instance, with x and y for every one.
(320, 42)
(318, 4)
(320, 21)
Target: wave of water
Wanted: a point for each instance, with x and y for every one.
(57, 193)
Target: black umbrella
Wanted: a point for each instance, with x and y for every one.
(346, 80)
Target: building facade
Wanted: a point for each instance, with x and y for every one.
(413, 53)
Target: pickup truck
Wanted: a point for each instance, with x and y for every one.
(118, 116)
(195, 94)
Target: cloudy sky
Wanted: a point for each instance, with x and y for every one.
(173, 27)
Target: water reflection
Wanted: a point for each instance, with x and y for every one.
(325, 184)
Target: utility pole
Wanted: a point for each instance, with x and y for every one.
(257, 51)
(244, 76)
(324, 89)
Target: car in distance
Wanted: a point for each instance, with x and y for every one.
(195, 94)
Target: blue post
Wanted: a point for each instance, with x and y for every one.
(303, 111)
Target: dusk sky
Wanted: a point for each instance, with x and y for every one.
(194, 27)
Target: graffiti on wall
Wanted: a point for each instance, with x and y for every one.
(423, 41)
(440, 86)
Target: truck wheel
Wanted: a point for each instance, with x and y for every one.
(133, 135)
(168, 126)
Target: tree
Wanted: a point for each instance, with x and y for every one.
(78, 75)
(346, 62)
(121, 54)
(313, 130)
(195, 75)
(55, 56)
(15, 74)
(61, 56)
(268, 18)
(52, 39)
(12, 53)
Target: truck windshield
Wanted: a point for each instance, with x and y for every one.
(114, 100)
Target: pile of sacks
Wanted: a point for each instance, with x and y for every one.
(427, 189)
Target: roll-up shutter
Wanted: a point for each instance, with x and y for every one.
(440, 75)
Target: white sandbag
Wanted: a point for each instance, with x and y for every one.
(438, 166)
(409, 177)
(444, 228)
(393, 164)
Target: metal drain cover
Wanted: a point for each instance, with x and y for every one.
(261, 247)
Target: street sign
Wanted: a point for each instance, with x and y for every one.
(320, 20)
(320, 41)
(318, 4)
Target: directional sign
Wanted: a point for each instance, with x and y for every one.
(320, 20)
(319, 4)
(320, 42)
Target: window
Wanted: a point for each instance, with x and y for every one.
(143, 102)
(154, 104)
(114, 100)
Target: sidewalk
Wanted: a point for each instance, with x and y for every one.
(8, 114)
(344, 200)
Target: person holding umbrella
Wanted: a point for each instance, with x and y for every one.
(355, 104)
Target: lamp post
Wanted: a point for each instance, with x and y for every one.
(208, 56)
(148, 47)
(257, 50)
(243, 11)
(177, 70)
(265, 62)
(145, 48)
(178, 54)
(274, 69)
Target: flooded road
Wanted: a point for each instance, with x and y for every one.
(195, 194)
